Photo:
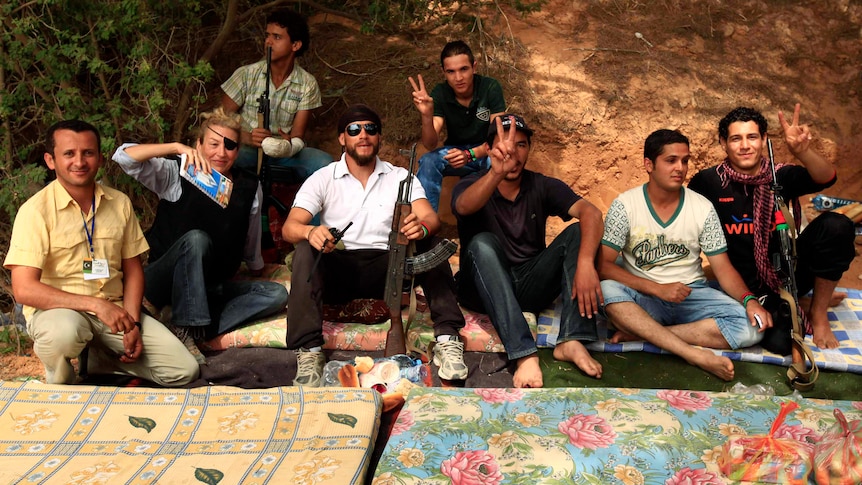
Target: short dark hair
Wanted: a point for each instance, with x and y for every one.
(78, 126)
(657, 140)
(743, 114)
(295, 24)
(456, 48)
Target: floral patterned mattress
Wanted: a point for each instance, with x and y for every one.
(217, 434)
(479, 334)
(592, 435)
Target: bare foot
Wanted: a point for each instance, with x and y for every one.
(527, 372)
(620, 337)
(720, 366)
(834, 300)
(574, 351)
(823, 336)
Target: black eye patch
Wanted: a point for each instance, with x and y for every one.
(229, 144)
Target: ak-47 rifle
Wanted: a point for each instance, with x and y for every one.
(263, 105)
(398, 253)
(800, 376)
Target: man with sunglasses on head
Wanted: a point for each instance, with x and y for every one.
(465, 104)
(360, 189)
(293, 93)
(196, 245)
(507, 269)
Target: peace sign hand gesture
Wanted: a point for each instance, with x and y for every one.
(797, 137)
(503, 155)
(424, 103)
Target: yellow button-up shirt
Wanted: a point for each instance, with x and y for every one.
(49, 234)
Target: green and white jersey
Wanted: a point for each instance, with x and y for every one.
(663, 251)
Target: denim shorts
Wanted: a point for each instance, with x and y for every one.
(704, 302)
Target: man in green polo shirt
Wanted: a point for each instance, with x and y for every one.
(466, 104)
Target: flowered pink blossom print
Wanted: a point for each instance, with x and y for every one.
(686, 400)
(588, 431)
(476, 467)
(403, 423)
(496, 396)
(687, 476)
(798, 433)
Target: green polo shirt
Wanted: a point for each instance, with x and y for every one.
(468, 125)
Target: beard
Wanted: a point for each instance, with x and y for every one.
(363, 160)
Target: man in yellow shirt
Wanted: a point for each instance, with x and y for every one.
(76, 268)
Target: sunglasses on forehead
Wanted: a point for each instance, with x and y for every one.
(353, 129)
(229, 145)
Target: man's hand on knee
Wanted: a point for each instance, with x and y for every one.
(115, 317)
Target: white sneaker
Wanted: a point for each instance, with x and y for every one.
(309, 368)
(449, 359)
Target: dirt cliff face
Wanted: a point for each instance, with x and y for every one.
(594, 78)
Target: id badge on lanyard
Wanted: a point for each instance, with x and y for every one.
(93, 268)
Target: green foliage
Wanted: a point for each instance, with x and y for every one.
(119, 64)
(13, 340)
(19, 183)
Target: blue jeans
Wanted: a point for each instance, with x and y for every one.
(433, 167)
(506, 291)
(702, 303)
(179, 278)
(307, 161)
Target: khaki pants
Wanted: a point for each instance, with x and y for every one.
(60, 335)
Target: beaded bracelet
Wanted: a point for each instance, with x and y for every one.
(468, 155)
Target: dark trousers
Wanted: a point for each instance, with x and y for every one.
(825, 250)
(342, 276)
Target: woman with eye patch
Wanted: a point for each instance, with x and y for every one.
(196, 245)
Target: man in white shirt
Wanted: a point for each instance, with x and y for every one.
(362, 189)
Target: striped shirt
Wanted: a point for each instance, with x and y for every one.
(299, 92)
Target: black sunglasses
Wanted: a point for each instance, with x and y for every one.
(353, 129)
(229, 145)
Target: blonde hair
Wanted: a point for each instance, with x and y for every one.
(219, 117)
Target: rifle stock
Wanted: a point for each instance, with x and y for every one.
(398, 253)
(263, 108)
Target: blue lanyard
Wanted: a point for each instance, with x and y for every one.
(92, 229)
